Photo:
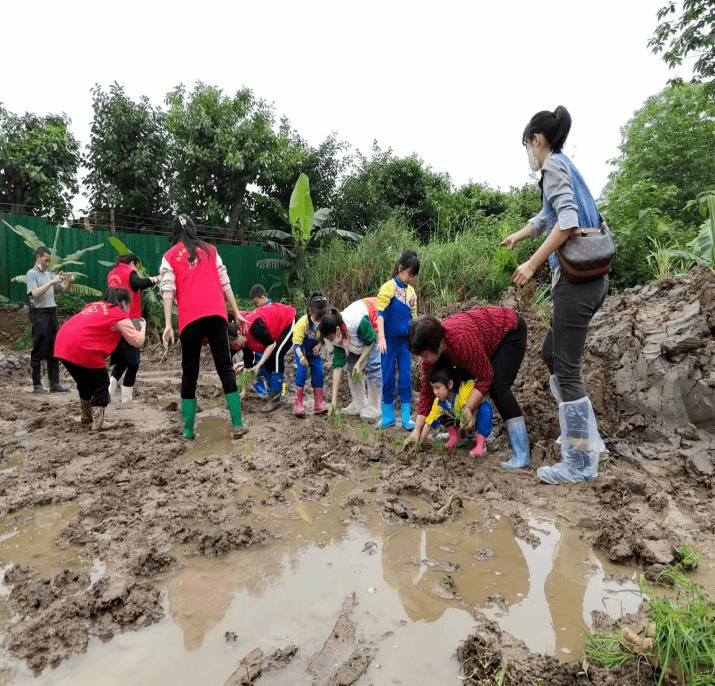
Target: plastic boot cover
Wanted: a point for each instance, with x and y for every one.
(372, 411)
(357, 393)
(579, 449)
(519, 439)
(407, 422)
(127, 394)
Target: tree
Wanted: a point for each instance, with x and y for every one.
(307, 230)
(291, 157)
(692, 33)
(218, 146)
(127, 159)
(39, 159)
(667, 159)
(386, 183)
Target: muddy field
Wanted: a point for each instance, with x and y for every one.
(129, 508)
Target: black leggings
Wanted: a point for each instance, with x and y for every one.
(125, 358)
(215, 329)
(506, 361)
(92, 384)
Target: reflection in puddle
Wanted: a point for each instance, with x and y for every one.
(413, 588)
(29, 537)
(215, 440)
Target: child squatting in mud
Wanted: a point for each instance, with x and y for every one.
(449, 405)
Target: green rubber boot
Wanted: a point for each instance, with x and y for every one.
(238, 427)
(188, 414)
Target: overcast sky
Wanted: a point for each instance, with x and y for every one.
(454, 81)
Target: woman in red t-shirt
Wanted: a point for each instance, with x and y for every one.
(85, 341)
(487, 342)
(192, 272)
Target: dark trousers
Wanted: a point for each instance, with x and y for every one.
(92, 384)
(562, 350)
(215, 330)
(125, 358)
(506, 361)
(276, 361)
(44, 327)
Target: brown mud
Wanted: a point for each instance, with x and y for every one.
(112, 515)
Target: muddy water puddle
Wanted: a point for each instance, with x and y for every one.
(410, 591)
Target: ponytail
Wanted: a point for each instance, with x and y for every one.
(555, 127)
(330, 322)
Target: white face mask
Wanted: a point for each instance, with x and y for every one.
(534, 163)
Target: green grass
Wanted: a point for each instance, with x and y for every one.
(684, 640)
(24, 340)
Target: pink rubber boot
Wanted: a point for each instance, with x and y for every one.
(318, 406)
(453, 437)
(299, 409)
(480, 447)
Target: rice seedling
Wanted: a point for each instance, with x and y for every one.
(680, 637)
(244, 379)
(364, 432)
(689, 557)
(337, 419)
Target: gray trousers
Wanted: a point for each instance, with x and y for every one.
(574, 305)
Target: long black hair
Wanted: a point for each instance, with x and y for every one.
(117, 296)
(127, 258)
(554, 125)
(183, 229)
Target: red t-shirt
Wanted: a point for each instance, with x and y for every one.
(198, 288)
(470, 339)
(88, 338)
(119, 278)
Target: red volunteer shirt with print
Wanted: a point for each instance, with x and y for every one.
(119, 278)
(198, 288)
(88, 338)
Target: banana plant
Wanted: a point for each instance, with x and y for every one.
(58, 262)
(307, 229)
(702, 247)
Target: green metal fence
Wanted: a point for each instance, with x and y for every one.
(16, 258)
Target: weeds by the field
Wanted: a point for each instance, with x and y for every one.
(680, 636)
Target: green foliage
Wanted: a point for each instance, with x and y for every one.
(58, 263)
(39, 159)
(666, 161)
(385, 183)
(128, 158)
(244, 379)
(218, 146)
(472, 266)
(24, 340)
(682, 628)
(308, 232)
(691, 33)
(702, 248)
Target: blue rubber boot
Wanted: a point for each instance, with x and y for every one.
(275, 390)
(261, 385)
(519, 439)
(388, 415)
(188, 414)
(407, 423)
